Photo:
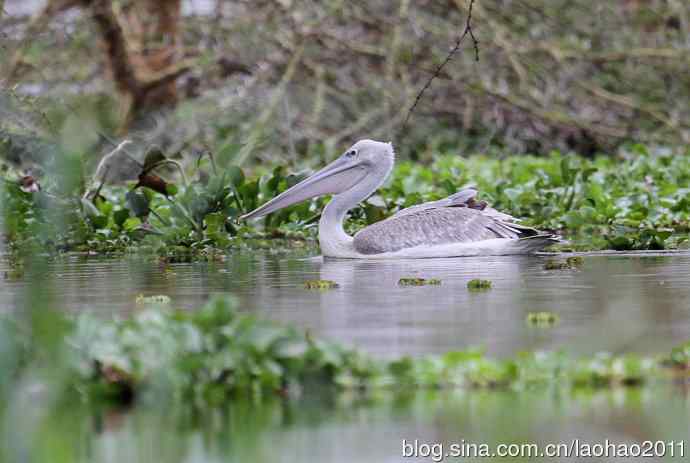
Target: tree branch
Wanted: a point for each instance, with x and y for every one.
(439, 68)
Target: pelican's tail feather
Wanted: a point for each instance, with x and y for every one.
(536, 243)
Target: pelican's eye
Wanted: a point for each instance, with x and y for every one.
(351, 153)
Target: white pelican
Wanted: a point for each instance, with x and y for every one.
(451, 227)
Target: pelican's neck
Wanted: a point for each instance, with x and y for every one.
(333, 240)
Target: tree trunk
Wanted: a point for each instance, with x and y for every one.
(141, 42)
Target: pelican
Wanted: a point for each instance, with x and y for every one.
(458, 225)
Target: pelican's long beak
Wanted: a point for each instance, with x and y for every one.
(336, 177)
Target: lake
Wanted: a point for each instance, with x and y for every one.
(615, 302)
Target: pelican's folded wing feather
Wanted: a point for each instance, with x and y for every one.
(455, 219)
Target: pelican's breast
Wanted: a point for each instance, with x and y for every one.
(430, 227)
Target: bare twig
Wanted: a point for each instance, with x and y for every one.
(439, 68)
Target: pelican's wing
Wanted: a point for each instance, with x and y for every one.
(462, 198)
(456, 219)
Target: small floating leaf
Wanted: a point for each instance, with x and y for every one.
(478, 285)
(418, 281)
(542, 318)
(556, 265)
(575, 261)
(320, 284)
(568, 264)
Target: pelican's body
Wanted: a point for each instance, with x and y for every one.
(452, 227)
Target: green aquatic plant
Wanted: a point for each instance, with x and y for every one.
(680, 356)
(479, 285)
(542, 318)
(575, 261)
(413, 281)
(570, 263)
(638, 201)
(320, 284)
(605, 370)
(215, 354)
(556, 265)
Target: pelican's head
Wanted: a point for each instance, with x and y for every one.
(366, 164)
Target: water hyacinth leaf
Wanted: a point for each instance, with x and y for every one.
(402, 369)
(131, 224)
(455, 358)
(216, 187)
(293, 179)
(232, 212)
(171, 189)
(273, 183)
(138, 203)
(261, 337)
(291, 348)
(99, 221)
(104, 207)
(216, 228)
(249, 192)
(620, 243)
(235, 175)
(120, 216)
(214, 222)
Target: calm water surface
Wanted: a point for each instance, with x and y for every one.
(618, 303)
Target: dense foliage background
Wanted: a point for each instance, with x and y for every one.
(283, 79)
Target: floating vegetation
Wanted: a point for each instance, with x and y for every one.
(320, 284)
(160, 299)
(543, 319)
(210, 355)
(605, 370)
(13, 274)
(418, 281)
(575, 261)
(479, 285)
(570, 263)
(556, 265)
(680, 356)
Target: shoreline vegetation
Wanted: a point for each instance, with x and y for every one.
(636, 201)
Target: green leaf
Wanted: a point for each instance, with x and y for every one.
(235, 175)
(120, 216)
(99, 221)
(131, 224)
(171, 189)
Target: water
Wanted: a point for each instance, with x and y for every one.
(619, 303)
